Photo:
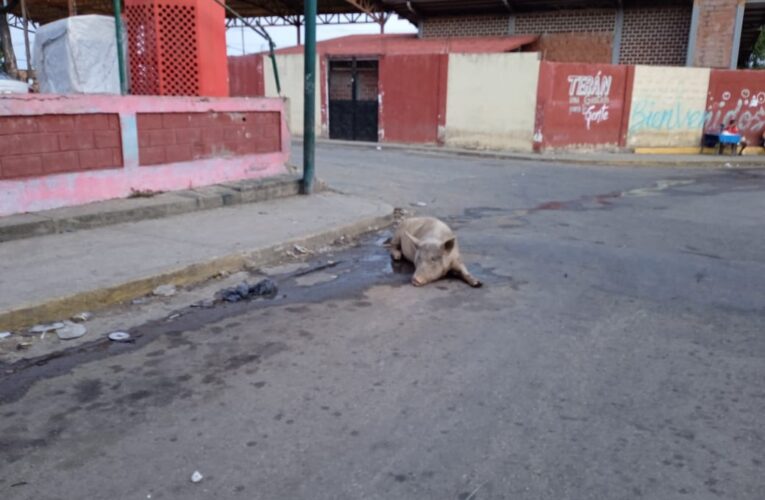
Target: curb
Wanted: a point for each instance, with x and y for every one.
(635, 160)
(94, 300)
(106, 213)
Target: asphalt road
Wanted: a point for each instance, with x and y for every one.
(617, 351)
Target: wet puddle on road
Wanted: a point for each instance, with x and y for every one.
(656, 190)
(351, 272)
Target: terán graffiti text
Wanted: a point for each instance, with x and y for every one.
(590, 96)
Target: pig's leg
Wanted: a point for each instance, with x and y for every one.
(460, 270)
(395, 246)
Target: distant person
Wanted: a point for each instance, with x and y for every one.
(732, 135)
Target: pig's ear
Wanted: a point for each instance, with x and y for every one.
(413, 239)
(449, 245)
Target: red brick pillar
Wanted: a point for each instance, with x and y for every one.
(177, 47)
(716, 30)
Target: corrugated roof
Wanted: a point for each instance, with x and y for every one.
(45, 11)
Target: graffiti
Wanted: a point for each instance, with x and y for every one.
(590, 96)
(648, 115)
(748, 110)
(594, 114)
(590, 86)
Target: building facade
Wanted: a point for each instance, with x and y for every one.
(701, 33)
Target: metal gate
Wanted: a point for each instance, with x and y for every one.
(353, 107)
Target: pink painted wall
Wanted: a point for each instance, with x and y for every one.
(248, 150)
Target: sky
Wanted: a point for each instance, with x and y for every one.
(287, 36)
(282, 36)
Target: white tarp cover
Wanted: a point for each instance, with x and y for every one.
(77, 55)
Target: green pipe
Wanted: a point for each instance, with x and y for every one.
(120, 47)
(271, 54)
(309, 97)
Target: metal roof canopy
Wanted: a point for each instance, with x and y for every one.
(418, 9)
(45, 11)
(291, 11)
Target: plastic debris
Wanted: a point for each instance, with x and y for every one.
(204, 304)
(196, 477)
(5, 335)
(165, 291)
(119, 337)
(265, 288)
(21, 346)
(299, 249)
(46, 327)
(420, 204)
(82, 317)
(71, 331)
(139, 301)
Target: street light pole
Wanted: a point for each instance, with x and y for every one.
(309, 97)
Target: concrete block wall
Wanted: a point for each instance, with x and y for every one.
(582, 106)
(50, 144)
(740, 96)
(70, 150)
(341, 85)
(291, 70)
(246, 75)
(506, 101)
(668, 107)
(714, 41)
(177, 137)
(656, 36)
(594, 47)
(442, 27)
(651, 35)
(566, 21)
(491, 100)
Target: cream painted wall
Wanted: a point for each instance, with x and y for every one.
(668, 106)
(491, 100)
(291, 73)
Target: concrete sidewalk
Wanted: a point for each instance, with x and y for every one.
(50, 277)
(583, 158)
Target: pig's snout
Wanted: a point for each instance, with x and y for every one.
(417, 282)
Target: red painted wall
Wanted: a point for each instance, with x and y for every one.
(581, 105)
(177, 137)
(246, 76)
(49, 144)
(413, 90)
(740, 96)
(177, 47)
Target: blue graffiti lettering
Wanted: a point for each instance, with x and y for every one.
(646, 115)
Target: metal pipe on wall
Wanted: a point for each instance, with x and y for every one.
(120, 46)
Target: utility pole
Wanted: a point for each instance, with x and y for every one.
(309, 97)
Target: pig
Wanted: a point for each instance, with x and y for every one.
(432, 247)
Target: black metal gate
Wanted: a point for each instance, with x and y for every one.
(353, 104)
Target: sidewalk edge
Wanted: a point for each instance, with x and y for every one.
(59, 308)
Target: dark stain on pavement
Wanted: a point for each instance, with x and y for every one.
(87, 391)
